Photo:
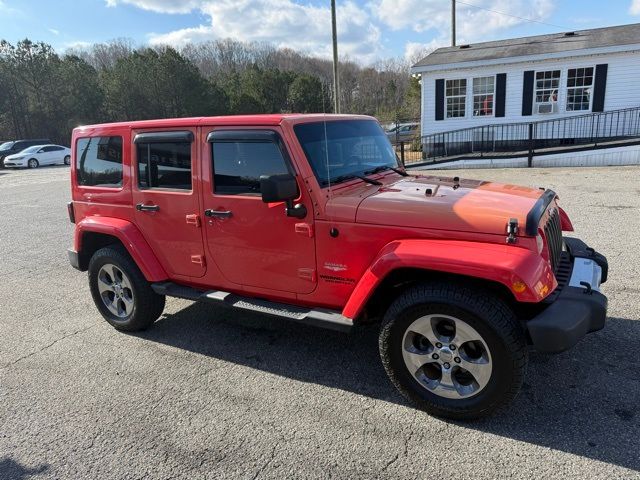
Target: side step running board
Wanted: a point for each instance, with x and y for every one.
(320, 317)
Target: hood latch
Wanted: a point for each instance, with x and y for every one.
(512, 230)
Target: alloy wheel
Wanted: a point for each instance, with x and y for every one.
(115, 290)
(447, 356)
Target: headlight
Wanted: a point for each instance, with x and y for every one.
(16, 159)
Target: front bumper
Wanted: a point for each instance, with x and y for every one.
(13, 163)
(576, 307)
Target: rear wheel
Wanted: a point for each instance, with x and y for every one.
(67, 160)
(33, 163)
(453, 350)
(122, 294)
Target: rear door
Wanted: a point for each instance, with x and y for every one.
(166, 198)
(57, 154)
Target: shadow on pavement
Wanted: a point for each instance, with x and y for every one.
(585, 401)
(10, 469)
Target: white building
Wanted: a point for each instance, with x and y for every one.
(530, 79)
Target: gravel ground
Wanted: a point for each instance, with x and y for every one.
(210, 393)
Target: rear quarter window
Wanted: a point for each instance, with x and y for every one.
(99, 161)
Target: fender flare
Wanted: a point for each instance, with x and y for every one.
(565, 222)
(129, 236)
(506, 264)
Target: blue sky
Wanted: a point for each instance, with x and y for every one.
(369, 30)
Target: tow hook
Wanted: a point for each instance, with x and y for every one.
(587, 285)
(512, 230)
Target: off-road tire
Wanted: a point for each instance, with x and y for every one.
(148, 305)
(482, 310)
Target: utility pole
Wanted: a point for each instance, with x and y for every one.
(336, 81)
(453, 23)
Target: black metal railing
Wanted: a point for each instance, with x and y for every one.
(574, 131)
(404, 135)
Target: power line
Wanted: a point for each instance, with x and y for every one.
(512, 16)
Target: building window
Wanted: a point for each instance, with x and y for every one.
(579, 83)
(99, 161)
(547, 84)
(164, 165)
(483, 92)
(456, 96)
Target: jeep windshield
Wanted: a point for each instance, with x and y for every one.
(6, 146)
(341, 150)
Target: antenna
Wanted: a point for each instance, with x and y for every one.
(326, 144)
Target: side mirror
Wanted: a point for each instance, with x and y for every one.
(278, 188)
(282, 188)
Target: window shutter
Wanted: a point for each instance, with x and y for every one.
(501, 93)
(527, 93)
(440, 99)
(599, 88)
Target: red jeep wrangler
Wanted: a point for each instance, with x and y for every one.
(312, 218)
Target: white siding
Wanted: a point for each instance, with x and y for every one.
(623, 89)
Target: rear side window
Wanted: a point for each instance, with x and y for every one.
(99, 161)
(238, 165)
(164, 165)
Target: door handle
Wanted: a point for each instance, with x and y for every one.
(141, 207)
(217, 213)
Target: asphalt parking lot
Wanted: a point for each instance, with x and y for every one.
(210, 393)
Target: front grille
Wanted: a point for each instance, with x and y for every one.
(553, 233)
(563, 275)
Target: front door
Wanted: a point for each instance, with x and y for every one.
(254, 244)
(165, 196)
(45, 156)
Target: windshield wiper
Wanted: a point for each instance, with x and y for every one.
(382, 168)
(350, 176)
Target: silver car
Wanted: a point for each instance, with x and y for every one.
(403, 132)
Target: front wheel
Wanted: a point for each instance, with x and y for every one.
(67, 160)
(33, 163)
(453, 350)
(122, 294)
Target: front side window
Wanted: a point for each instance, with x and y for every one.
(164, 165)
(340, 150)
(579, 87)
(99, 161)
(547, 84)
(483, 93)
(456, 97)
(238, 164)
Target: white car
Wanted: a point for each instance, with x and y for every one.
(38, 155)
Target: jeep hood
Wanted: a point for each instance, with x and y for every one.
(448, 204)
